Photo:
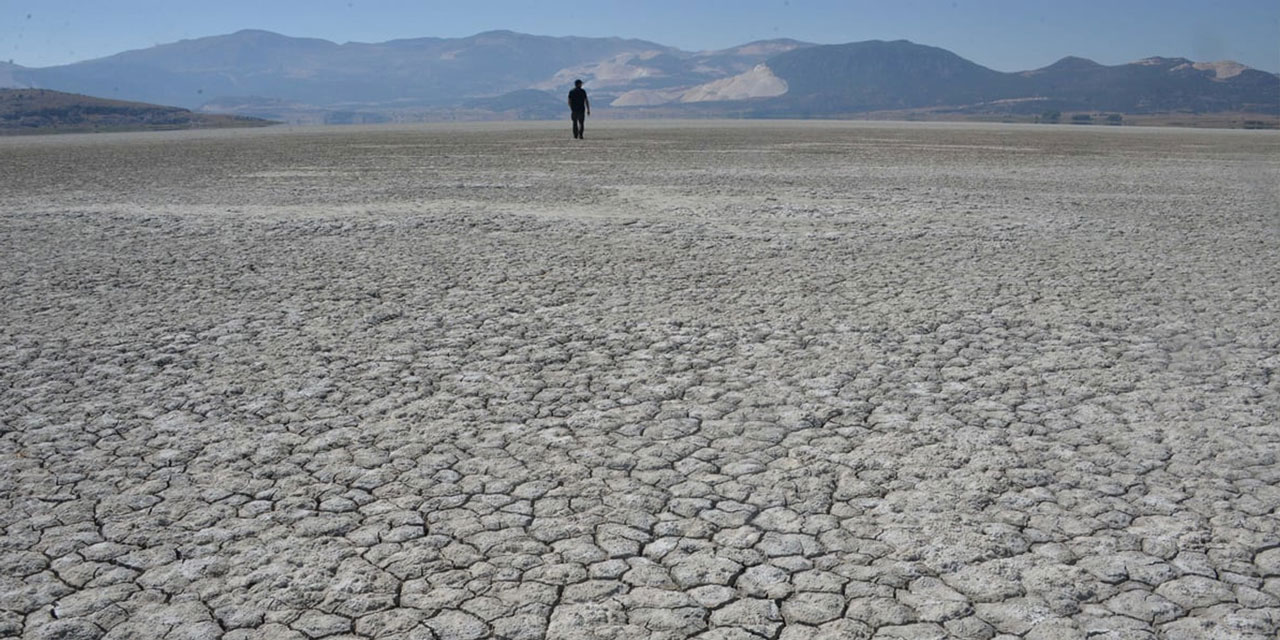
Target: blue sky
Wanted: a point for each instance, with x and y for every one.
(1007, 35)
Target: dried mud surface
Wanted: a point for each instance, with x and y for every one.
(712, 380)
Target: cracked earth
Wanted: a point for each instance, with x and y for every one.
(718, 381)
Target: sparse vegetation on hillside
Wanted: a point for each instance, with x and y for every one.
(43, 111)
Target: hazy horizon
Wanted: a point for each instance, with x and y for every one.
(1001, 34)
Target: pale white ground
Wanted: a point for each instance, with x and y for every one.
(1222, 69)
(759, 82)
(714, 380)
(619, 70)
(756, 83)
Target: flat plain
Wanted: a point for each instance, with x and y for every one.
(685, 379)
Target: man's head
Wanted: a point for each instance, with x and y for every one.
(577, 83)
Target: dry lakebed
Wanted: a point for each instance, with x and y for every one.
(712, 380)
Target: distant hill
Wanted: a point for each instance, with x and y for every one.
(887, 76)
(1154, 85)
(503, 74)
(44, 111)
(9, 74)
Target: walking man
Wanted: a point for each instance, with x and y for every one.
(580, 107)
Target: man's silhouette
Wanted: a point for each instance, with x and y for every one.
(580, 108)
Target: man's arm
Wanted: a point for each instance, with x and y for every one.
(587, 101)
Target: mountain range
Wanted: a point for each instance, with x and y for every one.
(507, 74)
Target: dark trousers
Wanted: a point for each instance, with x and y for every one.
(579, 123)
